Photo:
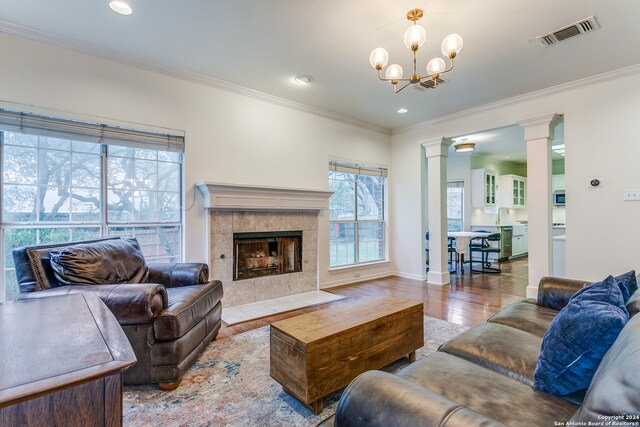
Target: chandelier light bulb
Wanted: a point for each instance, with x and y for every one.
(436, 66)
(394, 72)
(451, 45)
(379, 58)
(414, 37)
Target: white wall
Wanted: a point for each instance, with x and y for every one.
(602, 136)
(408, 225)
(229, 138)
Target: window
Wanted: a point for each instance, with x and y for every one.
(60, 184)
(455, 206)
(356, 214)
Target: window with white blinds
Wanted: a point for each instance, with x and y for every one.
(61, 128)
(64, 180)
(356, 214)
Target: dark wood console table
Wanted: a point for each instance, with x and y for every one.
(61, 362)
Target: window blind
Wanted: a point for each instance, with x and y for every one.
(13, 121)
(354, 168)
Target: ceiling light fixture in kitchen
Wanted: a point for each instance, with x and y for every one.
(464, 146)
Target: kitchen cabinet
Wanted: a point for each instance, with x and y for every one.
(483, 188)
(557, 183)
(512, 191)
(559, 230)
(520, 240)
(518, 245)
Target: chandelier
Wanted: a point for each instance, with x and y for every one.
(414, 38)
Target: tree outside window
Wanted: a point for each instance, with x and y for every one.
(52, 192)
(357, 218)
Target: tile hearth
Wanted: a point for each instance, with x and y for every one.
(257, 310)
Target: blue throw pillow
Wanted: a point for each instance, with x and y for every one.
(628, 284)
(579, 337)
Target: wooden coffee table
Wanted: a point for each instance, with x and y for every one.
(320, 352)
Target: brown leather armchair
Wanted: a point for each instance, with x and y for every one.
(170, 316)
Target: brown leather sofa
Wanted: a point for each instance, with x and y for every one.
(484, 376)
(169, 317)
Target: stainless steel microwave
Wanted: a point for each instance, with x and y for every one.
(559, 198)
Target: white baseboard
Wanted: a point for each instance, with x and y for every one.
(410, 276)
(532, 291)
(439, 278)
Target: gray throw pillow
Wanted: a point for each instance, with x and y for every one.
(100, 263)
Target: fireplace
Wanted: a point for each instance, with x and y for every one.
(238, 209)
(266, 254)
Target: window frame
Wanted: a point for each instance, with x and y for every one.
(103, 224)
(356, 221)
(457, 183)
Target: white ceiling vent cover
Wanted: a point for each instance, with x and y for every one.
(583, 26)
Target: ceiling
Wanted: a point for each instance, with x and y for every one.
(507, 144)
(262, 44)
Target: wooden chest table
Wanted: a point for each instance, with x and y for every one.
(320, 352)
(61, 363)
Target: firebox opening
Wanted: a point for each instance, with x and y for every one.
(266, 254)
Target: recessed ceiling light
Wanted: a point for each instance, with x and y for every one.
(303, 80)
(402, 111)
(120, 7)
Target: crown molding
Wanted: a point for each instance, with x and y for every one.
(182, 74)
(609, 75)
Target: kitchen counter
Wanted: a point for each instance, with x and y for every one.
(494, 225)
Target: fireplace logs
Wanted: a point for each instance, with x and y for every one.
(265, 254)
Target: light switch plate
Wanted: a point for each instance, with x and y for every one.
(631, 194)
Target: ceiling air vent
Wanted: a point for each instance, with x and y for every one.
(429, 84)
(577, 28)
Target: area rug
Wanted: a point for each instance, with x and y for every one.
(229, 385)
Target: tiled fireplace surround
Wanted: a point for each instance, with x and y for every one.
(223, 224)
(240, 209)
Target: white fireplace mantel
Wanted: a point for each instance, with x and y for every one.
(256, 198)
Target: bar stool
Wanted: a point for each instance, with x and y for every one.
(450, 248)
(485, 248)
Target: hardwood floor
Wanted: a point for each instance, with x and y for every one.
(470, 299)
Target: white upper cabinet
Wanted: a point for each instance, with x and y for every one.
(483, 188)
(557, 182)
(513, 191)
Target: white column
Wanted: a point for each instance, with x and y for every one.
(538, 133)
(436, 151)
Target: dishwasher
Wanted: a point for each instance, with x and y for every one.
(506, 243)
